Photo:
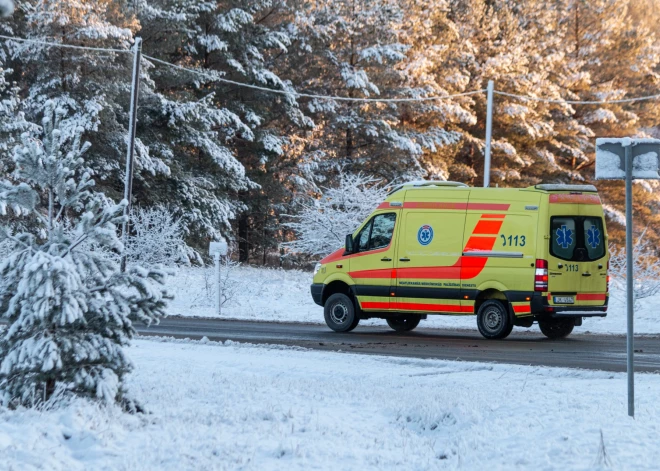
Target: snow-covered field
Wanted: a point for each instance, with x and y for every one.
(236, 406)
(283, 295)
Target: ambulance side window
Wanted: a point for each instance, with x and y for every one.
(381, 234)
(362, 238)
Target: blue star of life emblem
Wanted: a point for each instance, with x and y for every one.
(593, 237)
(564, 237)
(425, 234)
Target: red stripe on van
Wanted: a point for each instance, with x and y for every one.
(488, 207)
(590, 297)
(559, 198)
(417, 307)
(488, 227)
(522, 309)
(380, 274)
(434, 205)
(493, 216)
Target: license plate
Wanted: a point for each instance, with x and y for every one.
(564, 300)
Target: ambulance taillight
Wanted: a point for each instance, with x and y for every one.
(541, 275)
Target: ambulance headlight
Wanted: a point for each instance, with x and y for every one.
(317, 267)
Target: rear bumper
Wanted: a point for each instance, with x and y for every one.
(317, 293)
(542, 309)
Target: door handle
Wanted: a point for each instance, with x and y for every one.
(586, 274)
(385, 259)
(404, 259)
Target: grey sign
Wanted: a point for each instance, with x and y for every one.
(611, 158)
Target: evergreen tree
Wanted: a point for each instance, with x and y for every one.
(69, 309)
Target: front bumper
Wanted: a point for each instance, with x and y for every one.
(317, 293)
(541, 308)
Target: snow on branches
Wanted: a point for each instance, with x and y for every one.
(322, 225)
(69, 308)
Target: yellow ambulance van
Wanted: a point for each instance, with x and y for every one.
(509, 256)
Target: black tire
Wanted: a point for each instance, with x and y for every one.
(556, 328)
(493, 320)
(404, 323)
(339, 313)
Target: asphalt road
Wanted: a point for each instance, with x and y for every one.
(596, 352)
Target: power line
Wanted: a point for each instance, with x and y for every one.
(66, 46)
(310, 95)
(329, 97)
(577, 102)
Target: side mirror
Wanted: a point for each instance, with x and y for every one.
(349, 243)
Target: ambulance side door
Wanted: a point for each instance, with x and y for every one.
(429, 258)
(372, 264)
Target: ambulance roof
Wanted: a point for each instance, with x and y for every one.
(419, 184)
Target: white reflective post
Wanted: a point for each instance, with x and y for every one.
(218, 249)
(218, 301)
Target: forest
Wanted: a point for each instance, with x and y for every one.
(240, 162)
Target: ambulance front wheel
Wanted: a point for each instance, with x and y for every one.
(404, 323)
(339, 312)
(493, 320)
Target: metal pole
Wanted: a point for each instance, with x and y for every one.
(128, 182)
(219, 286)
(629, 281)
(489, 129)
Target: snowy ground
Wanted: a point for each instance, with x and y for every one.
(237, 406)
(280, 295)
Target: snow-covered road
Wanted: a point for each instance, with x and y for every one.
(246, 407)
(283, 296)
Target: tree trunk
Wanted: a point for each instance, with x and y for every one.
(243, 244)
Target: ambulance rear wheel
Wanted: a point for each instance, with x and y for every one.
(403, 323)
(493, 320)
(339, 312)
(556, 328)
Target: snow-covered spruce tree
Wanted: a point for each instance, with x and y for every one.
(245, 150)
(322, 224)
(70, 310)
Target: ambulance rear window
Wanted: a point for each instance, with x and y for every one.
(576, 238)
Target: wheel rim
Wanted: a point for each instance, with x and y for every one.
(493, 319)
(339, 313)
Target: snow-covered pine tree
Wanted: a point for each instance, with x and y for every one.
(355, 50)
(322, 224)
(70, 310)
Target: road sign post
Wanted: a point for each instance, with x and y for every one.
(627, 159)
(218, 249)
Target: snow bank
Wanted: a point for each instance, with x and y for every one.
(284, 296)
(247, 407)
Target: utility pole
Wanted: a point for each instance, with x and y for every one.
(489, 131)
(128, 182)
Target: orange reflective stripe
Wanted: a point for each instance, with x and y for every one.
(479, 243)
(522, 309)
(488, 227)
